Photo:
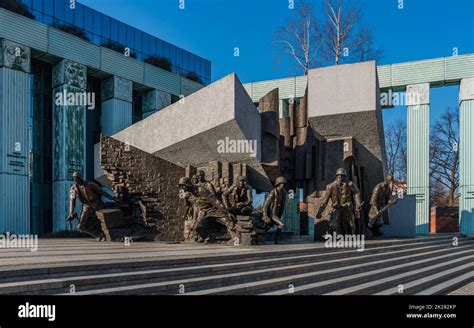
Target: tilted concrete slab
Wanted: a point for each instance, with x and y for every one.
(189, 131)
(343, 101)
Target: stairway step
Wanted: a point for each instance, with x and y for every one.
(449, 285)
(435, 279)
(328, 286)
(134, 277)
(119, 267)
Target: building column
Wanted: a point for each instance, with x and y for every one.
(15, 102)
(154, 100)
(117, 97)
(69, 126)
(466, 156)
(418, 123)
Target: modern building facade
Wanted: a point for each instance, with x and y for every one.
(68, 74)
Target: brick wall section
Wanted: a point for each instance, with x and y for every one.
(444, 219)
(135, 174)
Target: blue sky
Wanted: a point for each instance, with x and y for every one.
(213, 28)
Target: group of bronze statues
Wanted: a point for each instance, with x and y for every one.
(218, 202)
(206, 200)
(347, 206)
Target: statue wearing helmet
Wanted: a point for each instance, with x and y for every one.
(345, 198)
(379, 203)
(274, 206)
(238, 197)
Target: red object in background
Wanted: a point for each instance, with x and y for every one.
(303, 207)
(444, 219)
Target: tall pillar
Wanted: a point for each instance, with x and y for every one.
(418, 122)
(466, 157)
(69, 126)
(117, 97)
(155, 100)
(15, 102)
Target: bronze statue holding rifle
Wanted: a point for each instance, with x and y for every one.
(346, 204)
(380, 202)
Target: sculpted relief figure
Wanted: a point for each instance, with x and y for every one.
(203, 205)
(345, 198)
(379, 203)
(238, 197)
(274, 206)
(89, 194)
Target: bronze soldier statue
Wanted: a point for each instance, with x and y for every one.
(206, 205)
(89, 194)
(202, 182)
(379, 203)
(190, 214)
(238, 198)
(274, 206)
(345, 198)
(194, 179)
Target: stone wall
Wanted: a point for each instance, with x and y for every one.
(138, 176)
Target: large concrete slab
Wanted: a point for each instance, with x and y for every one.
(189, 131)
(343, 101)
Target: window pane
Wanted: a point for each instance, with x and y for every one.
(185, 60)
(88, 19)
(59, 9)
(146, 45)
(191, 62)
(114, 30)
(123, 34)
(159, 48)
(105, 27)
(173, 55)
(179, 57)
(49, 7)
(97, 23)
(69, 14)
(197, 69)
(138, 40)
(27, 3)
(152, 46)
(48, 20)
(130, 37)
(166, 50)
(79, 16)
(38, 5)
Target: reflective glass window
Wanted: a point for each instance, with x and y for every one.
(152, 46)
(159, 47)
(79, 16)
(38, 5)
(185, 60)
(69, 14)
(122, 34)
(88, 17)
(114, 30)
(146, 45)
(49, 7)
(166, 50)
(105, 27)
(138, 40)
(130, 37)
(59, 9)
(27, 3)
(97, 23)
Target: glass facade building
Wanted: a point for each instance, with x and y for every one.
(106, 31)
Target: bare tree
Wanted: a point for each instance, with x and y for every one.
(444, 155)
(299, 38)
(396, 149)
(343, 35)
(365, 49)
